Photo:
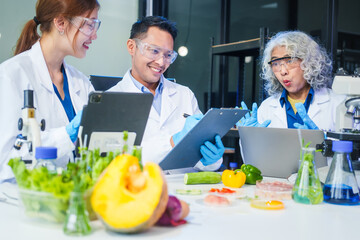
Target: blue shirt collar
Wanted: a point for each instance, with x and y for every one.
(291, 117)
(144, 89)
(158, 92)
(309, 98)
(283, 98)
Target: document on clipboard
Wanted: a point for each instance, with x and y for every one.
(215, 122)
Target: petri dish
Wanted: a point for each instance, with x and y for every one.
(274, 190)
(267, 204)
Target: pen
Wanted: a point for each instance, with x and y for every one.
(185, 115)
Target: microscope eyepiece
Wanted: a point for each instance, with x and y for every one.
(28, 99)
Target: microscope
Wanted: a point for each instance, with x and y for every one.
(347, 115)
(348, 112)
(30, 129)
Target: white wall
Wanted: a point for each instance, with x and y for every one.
(107, 54)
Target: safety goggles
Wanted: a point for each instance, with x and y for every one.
(288, 62)
(154, 52)
(85, 25)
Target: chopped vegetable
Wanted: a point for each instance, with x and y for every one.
(188, 191)
(223, 190)
(202, 178)
(247, 198)
(252, 173)
(232, 179)
(214, 190)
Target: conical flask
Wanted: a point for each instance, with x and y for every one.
(77, 219)
(307, 188)
(341, 186)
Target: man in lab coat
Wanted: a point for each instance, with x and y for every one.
(151, 45)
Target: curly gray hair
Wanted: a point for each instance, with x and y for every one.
(315, 62)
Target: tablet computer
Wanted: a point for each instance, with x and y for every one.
(103, 83)
(114, 112)
(276, 151)
(215, 122)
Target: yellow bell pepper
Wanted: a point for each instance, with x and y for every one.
(232, 179)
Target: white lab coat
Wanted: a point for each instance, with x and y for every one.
(28, 70)
(176, 100)
(322, 110)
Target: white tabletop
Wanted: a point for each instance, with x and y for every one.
(238, 221)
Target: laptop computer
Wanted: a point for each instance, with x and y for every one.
(276, 151)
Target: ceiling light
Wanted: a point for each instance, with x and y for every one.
(183, 51)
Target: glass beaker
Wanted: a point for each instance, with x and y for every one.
(341, 186)
(77, 219)
(307, 188)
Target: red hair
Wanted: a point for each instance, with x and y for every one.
(46, 11)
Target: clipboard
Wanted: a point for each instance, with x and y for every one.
(215, 122)
(108, 114)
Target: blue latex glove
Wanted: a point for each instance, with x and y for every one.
(212, 153)
(73, 127)
(308, 123)
(190, 122)
(250, 120)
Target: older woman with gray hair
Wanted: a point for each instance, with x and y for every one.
(298, 76)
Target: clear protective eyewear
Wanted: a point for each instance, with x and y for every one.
(85, 25)
(288, 62)
(154, 52)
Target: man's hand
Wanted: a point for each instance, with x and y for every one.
(190, 122)
(210, 152)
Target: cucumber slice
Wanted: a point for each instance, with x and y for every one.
(188, 191)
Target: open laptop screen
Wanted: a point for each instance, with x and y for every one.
(276, 151)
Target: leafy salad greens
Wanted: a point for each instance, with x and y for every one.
(82, 175)
(46, 194)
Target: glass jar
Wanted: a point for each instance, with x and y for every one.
(307, 188)
(341, 186)
(46, 157)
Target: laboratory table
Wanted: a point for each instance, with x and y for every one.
(237, 221)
